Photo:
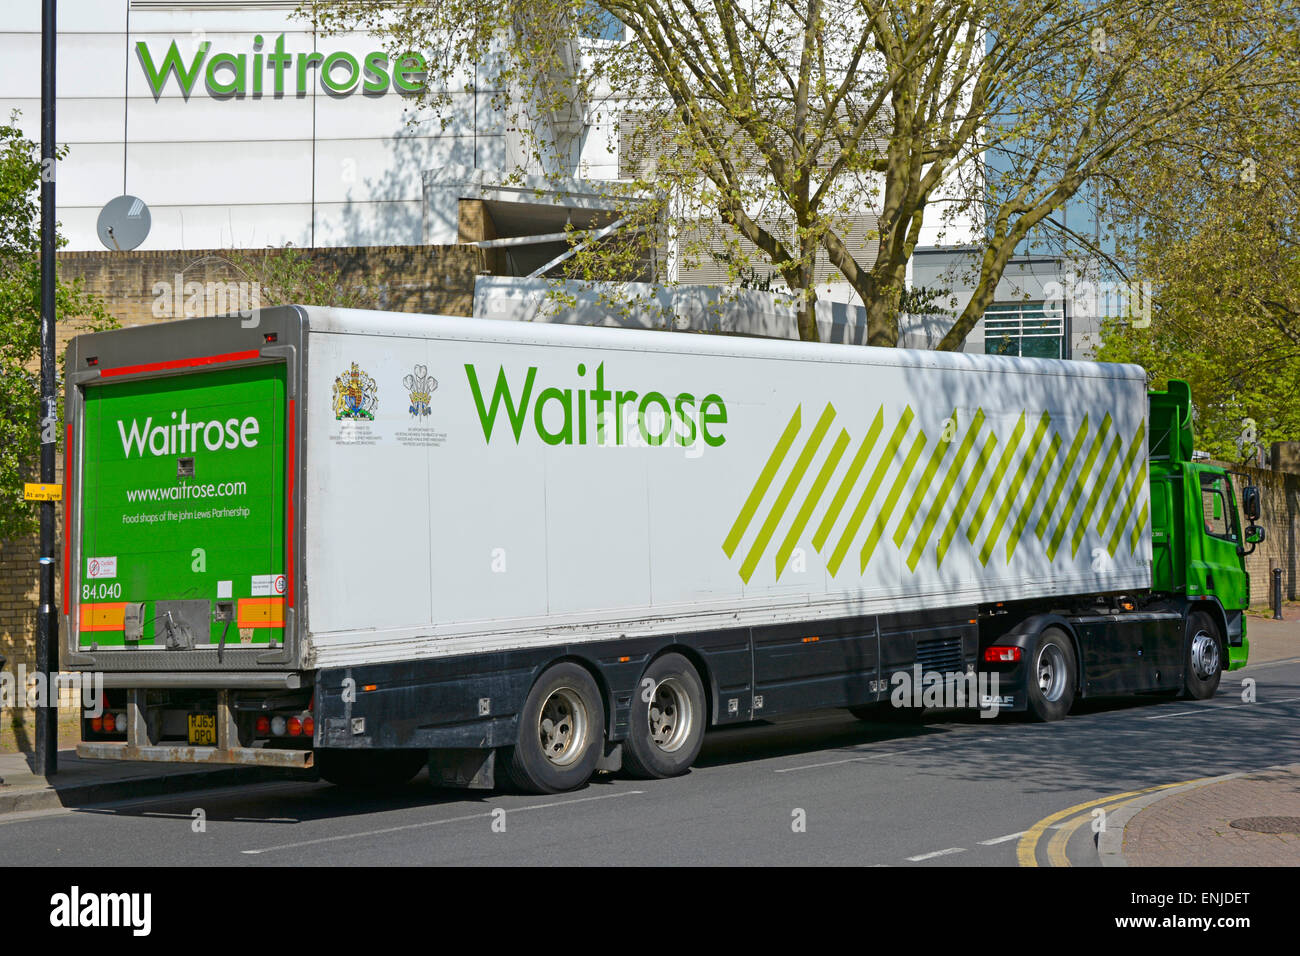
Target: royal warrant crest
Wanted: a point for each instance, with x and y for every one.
(355, 395)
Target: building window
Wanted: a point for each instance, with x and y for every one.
(1027, 329)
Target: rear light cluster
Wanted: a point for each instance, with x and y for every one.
(109, 724)
(1001, 655)
(285, 727)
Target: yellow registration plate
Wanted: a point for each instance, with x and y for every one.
(203, 730)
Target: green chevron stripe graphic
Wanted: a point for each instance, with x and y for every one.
(1134, 493)
(810, 501)
(887, 509)
(991, 489)
(1077, 491)
(1122, 478)
(1082, 527)
(869, 493)
(945, 489)
(967, 493)
(1045, 469)
(1137, 528)
(760, 487)
(1049, 509)
(787, 492)
(1062, 483)
(941, 448)
(850, 479)
(1000, 519)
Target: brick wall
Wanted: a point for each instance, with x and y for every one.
(437, 280)
(136, 287)
(1279, 494)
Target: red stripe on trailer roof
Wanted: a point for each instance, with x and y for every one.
(195, 362)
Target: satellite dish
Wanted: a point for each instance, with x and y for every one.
(123, 223)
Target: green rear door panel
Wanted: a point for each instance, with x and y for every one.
(149, 534)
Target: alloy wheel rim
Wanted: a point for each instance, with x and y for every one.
(1050, 668)
(1205, 655)
(671, 715)
(563, 726)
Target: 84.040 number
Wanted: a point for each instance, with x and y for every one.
(101, 592)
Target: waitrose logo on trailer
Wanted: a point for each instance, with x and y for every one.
(180, 435)
(259, 71)
(595, 412)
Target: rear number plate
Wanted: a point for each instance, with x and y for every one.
(203, 730)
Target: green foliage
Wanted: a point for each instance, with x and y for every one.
(20, 312)
(925, 300)
(1212, 210)
(770, 126)
(286, 275)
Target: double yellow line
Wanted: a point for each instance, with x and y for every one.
(1027, 849)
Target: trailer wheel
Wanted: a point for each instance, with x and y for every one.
(369, 769)
(1203, 657)
(667, 721)
(1052, 677)
(561, 732)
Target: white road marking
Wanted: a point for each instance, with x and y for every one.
(435, 823)
(1002, 839)
(834, 763)
(1251, 667)
(1212, 708)
(930, 856)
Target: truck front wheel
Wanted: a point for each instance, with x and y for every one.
(1203, 663)
(369, 769)
(561, 732)
(1052, 679)
(666, 727)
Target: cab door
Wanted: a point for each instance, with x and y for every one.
(1219, 570)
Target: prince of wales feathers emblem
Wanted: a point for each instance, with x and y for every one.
(421, 387)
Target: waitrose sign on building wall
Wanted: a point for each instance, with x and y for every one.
(242, 127)
(260, 71)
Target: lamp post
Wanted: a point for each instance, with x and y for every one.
(45, 759)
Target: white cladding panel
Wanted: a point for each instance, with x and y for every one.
(425, 537)
(243, 171)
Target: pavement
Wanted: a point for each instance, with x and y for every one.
(1248, 819)
(81, 782)
(1251, 818)
(1240, 819)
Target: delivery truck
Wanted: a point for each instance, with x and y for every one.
(370, 542)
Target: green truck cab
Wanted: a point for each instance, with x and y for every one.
(1198, 546)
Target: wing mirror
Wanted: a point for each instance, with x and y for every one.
(1250, 502)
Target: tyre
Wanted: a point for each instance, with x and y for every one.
(666, 727)
(369, 769)
(1202, 657)
(561, 732)
(1053, 676)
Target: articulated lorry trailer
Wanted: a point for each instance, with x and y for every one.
(370, 542)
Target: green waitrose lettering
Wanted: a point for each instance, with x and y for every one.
(581, 415)
(230, 74)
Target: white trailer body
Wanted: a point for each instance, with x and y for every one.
(361, 538)
(571, 484)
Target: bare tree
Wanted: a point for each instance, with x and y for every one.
(776, 122)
